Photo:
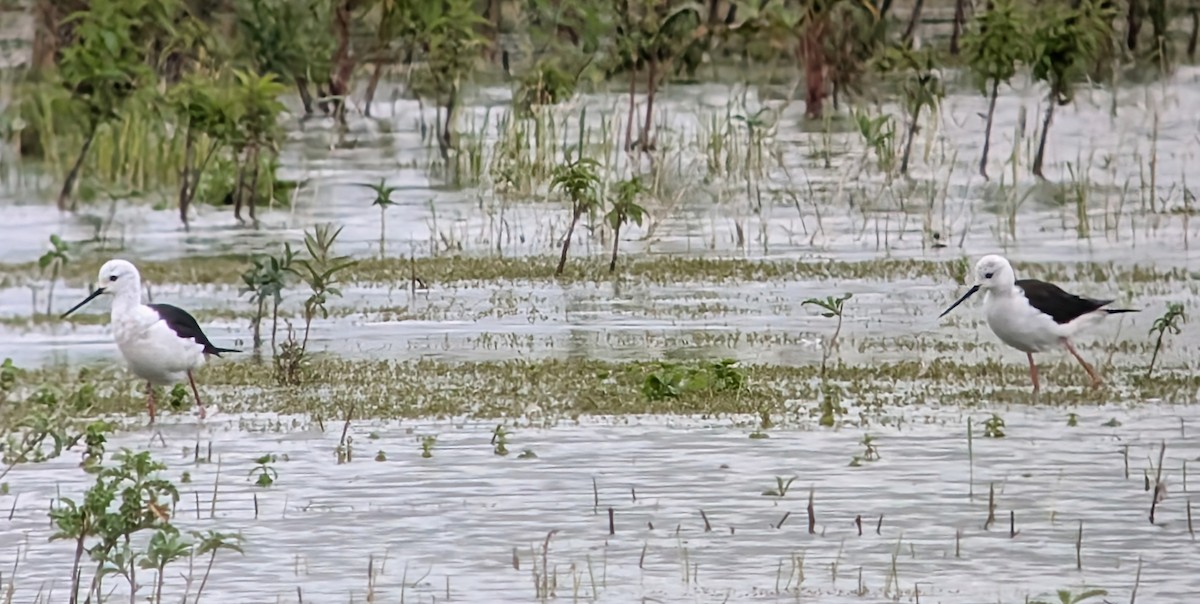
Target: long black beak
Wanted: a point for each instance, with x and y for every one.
(92, 296)
(960, 301)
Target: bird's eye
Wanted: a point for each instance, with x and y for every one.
(987, 276)
(114, 278)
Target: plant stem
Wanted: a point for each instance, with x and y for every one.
(562, 260)
(65, 194)
(650, 86)
(75, 566)
(612, 265)
(632, 106)
(207, 571)
(912, 131)
(1041, 150)
(254, 182)
(185, 196)
(987, 129)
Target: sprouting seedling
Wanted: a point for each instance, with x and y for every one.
(579, 181)
(265, 280)
(781, 487)
(320, 272)
(500, 440)
(54, 259)
(833, 306)
(1066, 597)
(994, 427)
(210, 543)
(764, 423)
(624, 209)
(383, 199)
(427, 443)
(879, 134)
(1169, 322)
(870, 452)
(266, 474)
(165, 546)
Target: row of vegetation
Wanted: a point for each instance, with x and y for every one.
(141, 96)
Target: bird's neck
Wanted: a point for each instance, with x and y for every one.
(126, 301)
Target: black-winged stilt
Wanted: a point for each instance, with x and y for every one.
(161, 343)
(1034, 316)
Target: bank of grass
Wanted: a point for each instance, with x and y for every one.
(654, 269)
(565, 389)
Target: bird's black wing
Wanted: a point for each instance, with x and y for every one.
(1061, 305)
(185, 326)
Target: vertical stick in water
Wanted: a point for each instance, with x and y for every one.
(1079, 548)
(970, 462)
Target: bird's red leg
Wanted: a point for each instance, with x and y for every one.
(1033, 373)
(196, 392)
(150, 400)
(1096, 381)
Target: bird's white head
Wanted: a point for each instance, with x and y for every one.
(117, 278)
(993, 272)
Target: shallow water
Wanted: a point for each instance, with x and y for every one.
(844, 210)
(451, 523)
(456, 517)
(759, 322)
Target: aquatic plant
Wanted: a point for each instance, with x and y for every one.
(265, 280)
(383, 199)
(650, 35)
(427, 443)
(55, 259)
(624, 208)
(996, 44)
(782, 486)
(126, 499)
(879, 134)
(265, 472)
(1066, 596)
(446, 33)
(211, 543)
(580, 182)
(1064, 41)
(832, 308)
(993, 427)
(500, 440)
(45, 421)
(209, 114)
(1169, 322)
(320, 272)
(921, 88)
(105, 66)
(257, 120)
(673, 380)
(291, 40)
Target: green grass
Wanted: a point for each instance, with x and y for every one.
(571, 388)
(653, 269)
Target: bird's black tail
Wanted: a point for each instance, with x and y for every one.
(1117, 311)
(216, 352)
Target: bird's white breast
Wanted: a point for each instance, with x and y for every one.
(1020, 325)
(153, 351)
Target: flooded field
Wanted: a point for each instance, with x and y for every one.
(907, 458)
(692, 518)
